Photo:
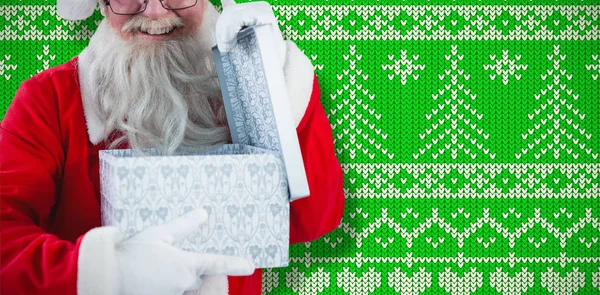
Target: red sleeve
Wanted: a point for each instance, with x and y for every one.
(32, 261)
(322, 211)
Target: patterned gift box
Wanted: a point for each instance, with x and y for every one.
(245, 187)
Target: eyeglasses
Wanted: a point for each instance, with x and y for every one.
(130, 7)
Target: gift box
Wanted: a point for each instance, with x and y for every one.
(245, 187)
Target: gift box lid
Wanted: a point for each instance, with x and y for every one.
(256, 101)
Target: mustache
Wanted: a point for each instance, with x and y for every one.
(139, 22)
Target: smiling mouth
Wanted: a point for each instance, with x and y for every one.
(157, 31)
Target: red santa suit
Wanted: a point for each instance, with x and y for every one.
(50, 194)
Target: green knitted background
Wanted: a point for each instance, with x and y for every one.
(468, 131)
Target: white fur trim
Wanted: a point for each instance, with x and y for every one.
(212, 285)
(97, 263)
(299, 76)
(75, 9)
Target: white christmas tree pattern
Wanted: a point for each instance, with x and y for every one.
(333, 242)
(353, 285)
(505, 67)
(354, 94)
(302, 285)
(405, 285)
(594, 67)
(5, 67)
(315, 65)
(270, 280)
(596, 279)
(567, 285)
(447, 137)
(403, 67)
(454, 284)
(516, 285)
(554, 110)
(45, 57)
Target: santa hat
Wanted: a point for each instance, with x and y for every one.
(75, 9)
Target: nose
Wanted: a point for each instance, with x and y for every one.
(155, 10)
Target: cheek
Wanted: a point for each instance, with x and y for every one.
(117, 24)
(192, 17)
(193, 24)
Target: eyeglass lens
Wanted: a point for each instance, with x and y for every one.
(136, 6)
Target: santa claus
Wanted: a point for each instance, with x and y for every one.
(146, 79)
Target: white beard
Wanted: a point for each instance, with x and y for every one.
(162, 94)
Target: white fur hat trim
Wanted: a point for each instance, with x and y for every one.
(75, 9)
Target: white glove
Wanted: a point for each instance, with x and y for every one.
(235, 16)
(148, 263)
(297, 69)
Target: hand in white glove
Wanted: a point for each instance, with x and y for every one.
(148, 263)
(297, 68)
(235, 16)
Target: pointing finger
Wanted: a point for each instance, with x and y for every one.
(215, 264)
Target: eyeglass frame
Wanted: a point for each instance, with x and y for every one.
(107, 2)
